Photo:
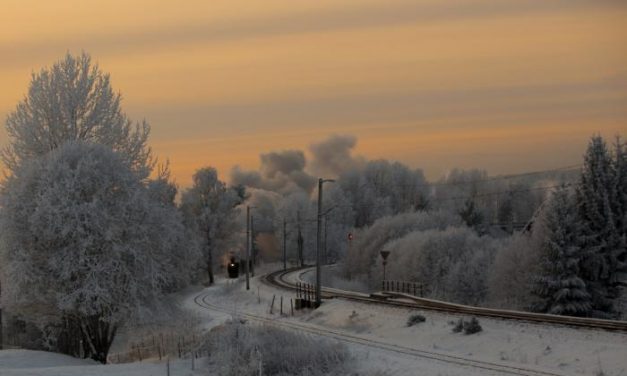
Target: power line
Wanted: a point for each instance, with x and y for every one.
(566, 185)
(506, 177)
(489, 194)
(494, 178)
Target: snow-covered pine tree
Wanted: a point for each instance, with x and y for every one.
(559, 288)
(599, 239)
(620, 214)
(619, 166)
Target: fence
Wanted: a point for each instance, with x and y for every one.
(411, 288)
(158, 347)
(305, 295)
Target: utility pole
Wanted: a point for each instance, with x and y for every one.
(247, 246)
(384, 257)
(252, 245)
(1, 343)
(300, 241)
(319, 241)
(326, 228)
(284, 244)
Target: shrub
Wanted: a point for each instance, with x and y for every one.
(415, 319)
(459, 326)
(471, 326)
(238, 349)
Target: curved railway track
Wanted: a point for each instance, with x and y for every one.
(202, 300)
(277, 279)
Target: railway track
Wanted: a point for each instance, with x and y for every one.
(203, 300)
(277, 279)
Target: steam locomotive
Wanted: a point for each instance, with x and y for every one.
(233, 268)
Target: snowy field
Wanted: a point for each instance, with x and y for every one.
(376, 336)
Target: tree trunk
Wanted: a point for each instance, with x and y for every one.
(98, 336)
(209, 259)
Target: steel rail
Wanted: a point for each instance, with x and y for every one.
(277, 279)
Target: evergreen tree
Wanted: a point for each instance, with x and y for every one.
(620, 191)
(620, 213)
(600, 238)
(559, 287)
(472, 216)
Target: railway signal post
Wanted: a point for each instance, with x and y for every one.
(384, 256)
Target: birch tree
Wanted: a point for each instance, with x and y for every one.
(83, 246)
(73, 100)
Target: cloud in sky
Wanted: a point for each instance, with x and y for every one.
(290, 171)
(284, 18)
(222, 83)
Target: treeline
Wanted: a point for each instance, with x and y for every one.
(570, 259)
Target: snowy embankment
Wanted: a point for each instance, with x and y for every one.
(41, 363)
(557, 349)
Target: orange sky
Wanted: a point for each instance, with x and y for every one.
(508, 86)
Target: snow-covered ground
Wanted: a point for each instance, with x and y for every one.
(40, 363)
(562, 350)
(376, 335)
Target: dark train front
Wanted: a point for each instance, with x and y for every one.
(233, 267)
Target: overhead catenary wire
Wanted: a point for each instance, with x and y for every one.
(505, 177)
(543, 188)
(465, 197)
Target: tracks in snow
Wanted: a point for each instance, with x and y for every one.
(202, 300)
(277, 279)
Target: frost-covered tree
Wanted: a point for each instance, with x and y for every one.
(456, 184)
(161, 188)
(382, 188)
(299, 213)
(471, 216)
(73, 100)
(604, 261)
(338, 222)
(449, 263)
(83, 247)
(210, 209)
(512, 275)
(369, 241)
(559, 287)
